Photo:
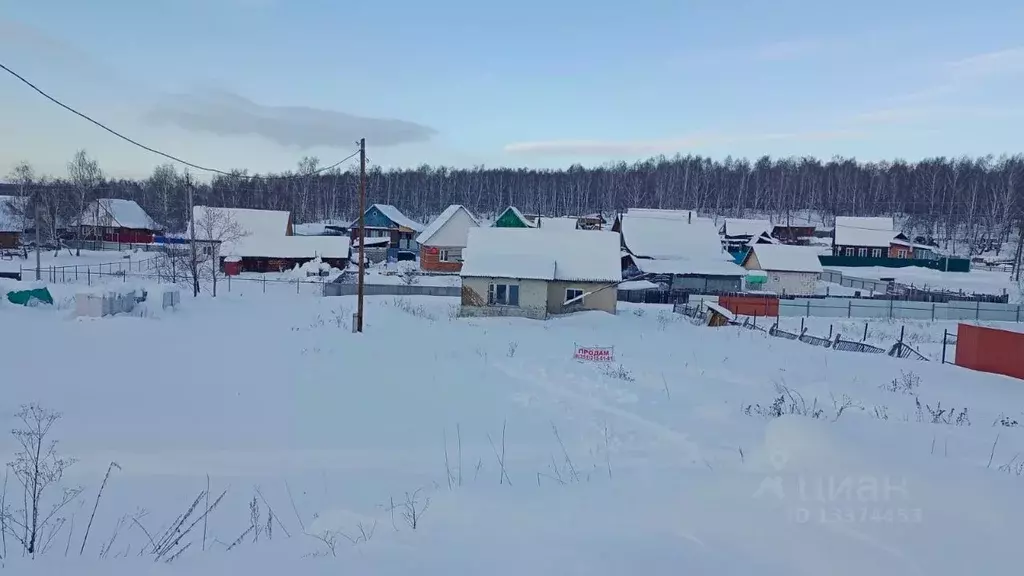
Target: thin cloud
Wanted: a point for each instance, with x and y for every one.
(786, 50)
(636, 147)
(226, 114)
(1000, 62)
(21, 37)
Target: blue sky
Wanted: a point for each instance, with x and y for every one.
(260, 83)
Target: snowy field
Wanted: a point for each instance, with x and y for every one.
(707, 451)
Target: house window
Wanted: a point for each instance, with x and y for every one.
(862, 252)
(443, 256)
(573, 293)
(901, 253)
(503, 295)
(849, 251)
(876, 252)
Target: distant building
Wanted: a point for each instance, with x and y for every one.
(511, 217)
(444, 239)
(118, 221)
(794, 270)
(537, 273)
(12, 223)
(737, 232)
(386, 221)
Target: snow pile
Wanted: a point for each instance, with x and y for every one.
(314, 268)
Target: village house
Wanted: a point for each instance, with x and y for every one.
(537, 273)
(557, 223)
(444, 239)
(263, 240)
(794, 231)
(12, 223)
(591, 222)
(386, 221)
(511, 217)
(738, 232)
(677, 249)
(117, 221)
(788, 270)
(870, 237)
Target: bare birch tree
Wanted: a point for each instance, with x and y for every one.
(85, 175)
(217, 229)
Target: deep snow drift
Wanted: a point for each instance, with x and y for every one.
(514, 458)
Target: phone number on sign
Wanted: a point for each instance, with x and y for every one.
(858, 515)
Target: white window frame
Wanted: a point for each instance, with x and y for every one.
(492, 294)
(901, 252)
(876, 252)
(442, 255)
(577, 293)
(849, 251)
(862, 252)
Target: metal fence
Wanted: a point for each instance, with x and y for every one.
(86, 272)
(894, 309)
(867, 284)
(340, 289)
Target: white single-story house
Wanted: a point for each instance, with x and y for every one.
(676, 248)
(536, 273)
(443, 240)
(790, 270)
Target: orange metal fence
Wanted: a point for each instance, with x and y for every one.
(990, 350)
(750, 305)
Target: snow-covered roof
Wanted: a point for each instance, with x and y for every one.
(655, 236)
(866, 222)
(289, 247)
(522, 217)
(689, 266)
(253, 223)
(396, 216)
(441, 220)
(638, 285)
(10, 220)
(783, 258)
(763, 238)
(370, 242)
(746, 227)
(117, 213)
(561, 223)
(662, 213)
(530, 253)
(720, 310)
(845, 236)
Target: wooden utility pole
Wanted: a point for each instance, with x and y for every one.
(36, 224)
(362, 233)
(194, 263)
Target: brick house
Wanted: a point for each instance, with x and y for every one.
(442, 241)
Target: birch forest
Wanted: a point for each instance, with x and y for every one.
(976, 201)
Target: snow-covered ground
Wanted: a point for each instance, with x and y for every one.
(979, 281)
(514, 458)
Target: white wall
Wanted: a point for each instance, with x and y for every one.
(533, 298)
(454, 233)
(797, 283)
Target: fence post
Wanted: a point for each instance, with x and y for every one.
(809, 307)
(865, 338)
(76, 272)
(945, 332)
(830, 332)
(849, 308)
(88, 276)
(801, 325)
(890, 309)
(229, 283)
(264, 284)
(1018, 312)
(977, 310)
(933, 319)
(296, 286)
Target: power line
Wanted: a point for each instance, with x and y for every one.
(164, 154)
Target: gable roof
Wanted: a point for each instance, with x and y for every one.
(745, 227)
(253, 223)
(117, 212)
(265, 246)
(783, 258)
(845, 236)
(538, 254)
(441, 220)
(866, 222)
(657, 236)
(396, 216)
(10, 220)
(522, 218)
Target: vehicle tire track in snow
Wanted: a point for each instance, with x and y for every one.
(541, 378)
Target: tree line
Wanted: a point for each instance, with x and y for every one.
(980, 200)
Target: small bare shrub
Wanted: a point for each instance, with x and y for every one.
(417, 310)
(512, 347)
(1007, 421)
(414, 508)
(906, 383)
(940, 415)
(787, 402)
(619, 372)
(409, 276)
